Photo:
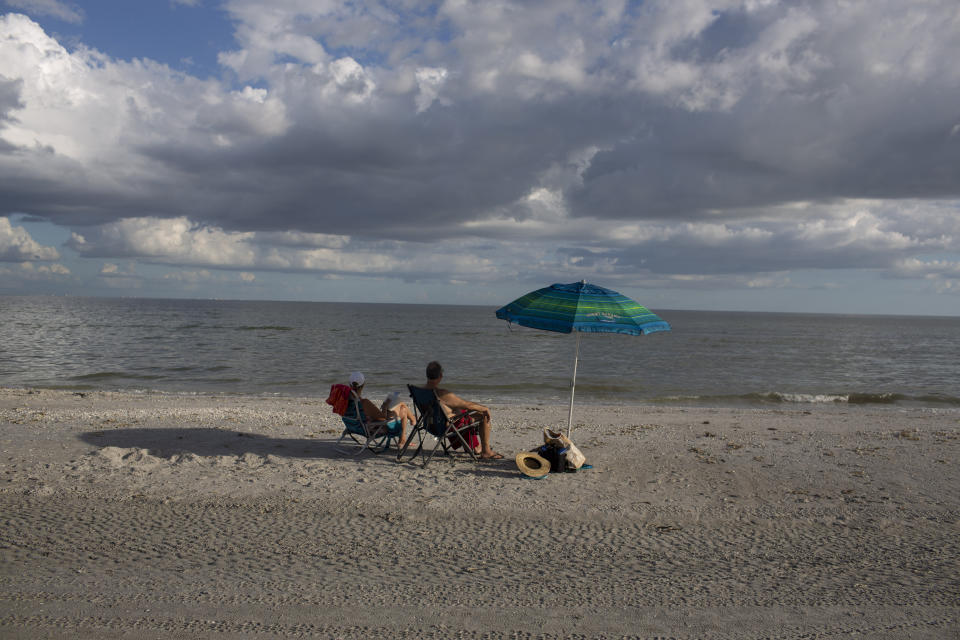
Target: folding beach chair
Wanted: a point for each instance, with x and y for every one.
(375, 435)
(432, 420)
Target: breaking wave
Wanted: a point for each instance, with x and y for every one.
(776, 397)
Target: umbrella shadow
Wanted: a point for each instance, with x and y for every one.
(169, 442)
(174, 441)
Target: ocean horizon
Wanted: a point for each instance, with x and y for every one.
(299, 349)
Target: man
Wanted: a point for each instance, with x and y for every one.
(476, 411)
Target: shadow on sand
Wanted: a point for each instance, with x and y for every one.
(205, 442)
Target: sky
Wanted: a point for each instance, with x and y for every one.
(757, 155)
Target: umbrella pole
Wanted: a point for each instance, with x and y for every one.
(573, 385)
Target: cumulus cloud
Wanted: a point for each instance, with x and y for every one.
(32, 278)
(190, 277)
(16, 245)
(841, 235)
(111, 269)
(52, 269)
(181, 242)
(674, 139)
(916, 268)
(944, 275)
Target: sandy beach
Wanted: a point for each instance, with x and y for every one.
(131, 515)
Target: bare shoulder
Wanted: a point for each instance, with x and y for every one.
(449, 397)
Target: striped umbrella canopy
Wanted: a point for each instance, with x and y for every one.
(581, 306)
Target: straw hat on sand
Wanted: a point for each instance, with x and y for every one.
(532, 465)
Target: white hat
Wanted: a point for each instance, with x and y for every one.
(356, 378)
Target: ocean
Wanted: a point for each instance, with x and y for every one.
(299, 349)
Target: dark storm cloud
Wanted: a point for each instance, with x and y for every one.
(846, 137)
(389, 174)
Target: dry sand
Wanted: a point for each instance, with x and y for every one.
(160, 516)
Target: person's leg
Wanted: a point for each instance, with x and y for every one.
(404, 412)
(406, 418)
(486, 451)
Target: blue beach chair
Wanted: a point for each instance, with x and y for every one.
(433, 421)
(375, 435)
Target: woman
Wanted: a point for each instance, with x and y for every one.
(384, 412)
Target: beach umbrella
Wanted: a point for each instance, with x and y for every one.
(581, 307)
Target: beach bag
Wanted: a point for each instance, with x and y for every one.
(573, 458)
(555, 455)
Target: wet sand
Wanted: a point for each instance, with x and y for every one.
(160, 516)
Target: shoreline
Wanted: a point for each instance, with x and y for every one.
(135, 515)
(771, 400)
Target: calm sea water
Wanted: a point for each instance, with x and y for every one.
(299, 349)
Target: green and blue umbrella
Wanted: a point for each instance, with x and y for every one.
(581, 307)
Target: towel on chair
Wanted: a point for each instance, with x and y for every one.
(340, 398)
(462, 418)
